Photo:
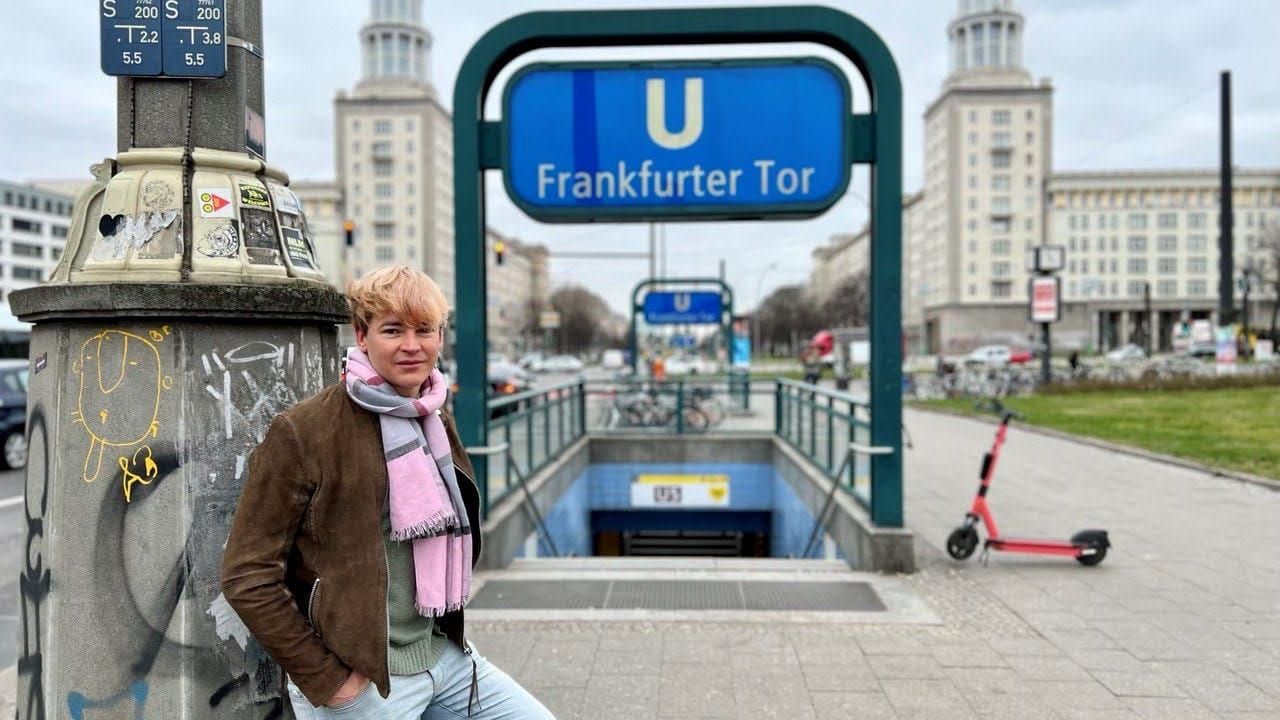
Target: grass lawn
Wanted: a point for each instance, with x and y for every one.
(1233, 428)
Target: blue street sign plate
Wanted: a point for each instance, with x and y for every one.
(668, 308)
(169, 38)
(195, 33)
(131, 37)
(693, 140)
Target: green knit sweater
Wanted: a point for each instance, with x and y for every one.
(414, 643)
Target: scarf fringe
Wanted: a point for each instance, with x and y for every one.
(435, 612)
(442, 523)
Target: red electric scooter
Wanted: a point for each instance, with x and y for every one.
(1088, 547)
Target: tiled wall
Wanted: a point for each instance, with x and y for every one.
(607, 486)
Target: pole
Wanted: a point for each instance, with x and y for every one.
(1147, 325)
(1045, 375)
(653, 257)
(1226, 262)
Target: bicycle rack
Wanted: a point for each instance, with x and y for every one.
(820, 521)
(529, 505)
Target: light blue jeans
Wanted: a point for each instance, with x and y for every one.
(441, 693)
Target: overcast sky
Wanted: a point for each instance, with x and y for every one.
(1136, 87)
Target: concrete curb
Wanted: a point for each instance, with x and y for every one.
(1266, 482)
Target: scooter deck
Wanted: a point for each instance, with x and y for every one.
(1043, 547)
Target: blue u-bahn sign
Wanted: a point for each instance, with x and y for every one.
(693, 140)
(692, 308)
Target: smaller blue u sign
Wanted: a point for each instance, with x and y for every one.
(687, 140)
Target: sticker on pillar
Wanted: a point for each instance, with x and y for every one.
(222, 241)
(299, 251)
(215, 203)
(286, 201)
(255, 133)
(121, 233)
(260, 237)
(254, 196)
(157, 195)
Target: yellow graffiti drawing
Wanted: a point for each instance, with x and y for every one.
(120, 385)
(149, 471)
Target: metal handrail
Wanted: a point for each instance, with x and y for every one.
(820, 521)
(530, 394)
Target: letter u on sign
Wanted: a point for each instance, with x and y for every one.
(656, 112)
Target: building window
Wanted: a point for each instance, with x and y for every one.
(1000, 205)
(383, 212)
(20, 225)
(1167, 288)
(1137, 221)
(1137, 266)
(383, 190)
(973, 289)
(58, 231)
(1001, 140)
(1084, 267)
(384, 254)
(382, 127)
(1167, 266)
(1196, 221)
(1001, 159)
(1000, 247)
(1000, 182)
(55, 253)
(1071, 222)
(1001, 289)
(1031, 137)
(20, 249)
(999, 117)
(411, 252)
(1001, 225)
(1029, 224)
(1000, 269)
(1031, 115)
(1137, 288)
(384, 231)
(381, 149)
(1137, 243)
(1197, 243)
(973, 160)
(973, 116)
(1167, 221)
(27, 273)
(1197, 265)
(382, 168)
(973, 182)
(1197, 288)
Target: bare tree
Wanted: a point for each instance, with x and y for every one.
(788, 310)
(582, 313)
(850, 302)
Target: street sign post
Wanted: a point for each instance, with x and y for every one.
(689, 140)
(164, 38)
(1045, 307)
(688, 308)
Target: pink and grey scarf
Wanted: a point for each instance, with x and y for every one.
(426, 506)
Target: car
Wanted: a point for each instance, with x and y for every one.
(999, 355)
(1126, 353)
(531, 360)
(612, 359)
(560, 364)
(506, 379)
(13, 413)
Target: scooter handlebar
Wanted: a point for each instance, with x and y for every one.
(993, 405)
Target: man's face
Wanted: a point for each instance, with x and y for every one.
(404, 356)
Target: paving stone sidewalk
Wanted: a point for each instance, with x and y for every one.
(1182, 620)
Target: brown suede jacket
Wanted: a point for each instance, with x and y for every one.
(305, 567)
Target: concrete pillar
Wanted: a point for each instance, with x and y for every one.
(186, 312)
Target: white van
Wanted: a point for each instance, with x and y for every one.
(612, 359)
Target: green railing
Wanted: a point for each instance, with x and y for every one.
(681, 407)
(535, 427)
(828, 427)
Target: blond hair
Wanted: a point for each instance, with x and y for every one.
(399, 291)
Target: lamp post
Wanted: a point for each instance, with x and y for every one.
(755, 326)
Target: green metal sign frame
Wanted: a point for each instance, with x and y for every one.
(637, 307)
(876, 139)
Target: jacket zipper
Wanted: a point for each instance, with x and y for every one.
(311, 603)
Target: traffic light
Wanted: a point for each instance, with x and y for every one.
(349, 228)
(498, 249)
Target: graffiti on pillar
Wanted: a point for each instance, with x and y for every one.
(77, 703)
(35, 581)
(249, 384)
(121, 381)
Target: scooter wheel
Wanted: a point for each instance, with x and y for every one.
(961, 543)
(1100, 552)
